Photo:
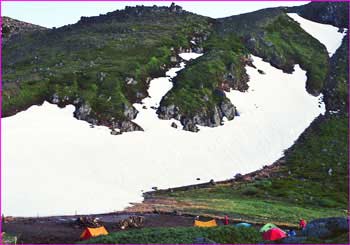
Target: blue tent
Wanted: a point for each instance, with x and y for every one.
(243, 225)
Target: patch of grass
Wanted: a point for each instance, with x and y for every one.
(181, 235)
(295, 46)
(196, 87)
(8, 239)
(271, 34)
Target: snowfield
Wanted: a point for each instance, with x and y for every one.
(328, 35)
(54, 164)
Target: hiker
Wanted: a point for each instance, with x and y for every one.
(302, 224)
(226, 220)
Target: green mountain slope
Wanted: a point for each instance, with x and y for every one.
(103, 64)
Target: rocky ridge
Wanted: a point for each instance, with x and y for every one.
(11, 27)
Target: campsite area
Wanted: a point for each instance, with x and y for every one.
(66, 229)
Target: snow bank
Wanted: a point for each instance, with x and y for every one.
(328, 35)
(54, 164)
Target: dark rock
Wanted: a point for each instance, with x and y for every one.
(167, 112)
(326, 227)
(55, 99)
(216, 118)
(261, 72)
(173, 59)
(130, 112)
(173, 125)
(190, 126)
(114, 132)
(129, 126)
(238, 177)
(228, 109)
(175, 8)
(83, 111)
(130, 81)
(140, 95)
(334, 13)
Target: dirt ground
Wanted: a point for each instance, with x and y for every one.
(64, 229)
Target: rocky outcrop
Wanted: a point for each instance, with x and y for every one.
(128, 126)
(11, 27)
(83, 111)
(333, 13)
(175, 8)
(326, 227)
(228, 109)
(213, 118)
(336, 87)
(130, 112)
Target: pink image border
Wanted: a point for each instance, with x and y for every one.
(158, 1)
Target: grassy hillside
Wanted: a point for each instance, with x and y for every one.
(198, 88)
(272, 35)
(105, 62)
(269, 34)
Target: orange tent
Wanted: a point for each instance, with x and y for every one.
(210, 223)
(93, 232)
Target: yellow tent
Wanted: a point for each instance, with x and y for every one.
(93, 232)
(210, 223)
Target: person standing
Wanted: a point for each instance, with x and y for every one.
(226, 221)
(302, 224)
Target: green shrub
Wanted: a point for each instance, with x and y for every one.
(180, 235)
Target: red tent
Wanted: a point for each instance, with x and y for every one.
(274, 234)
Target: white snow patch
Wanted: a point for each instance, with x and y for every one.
(54, 164)
(189, 56)
(328, 35)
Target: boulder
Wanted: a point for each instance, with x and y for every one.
(173, 125)
(228, 109)
(130, 81)
(167, 112)
(55, 99)
(83, 111)
(129, 126)
(130, 112)
(326, 227)
(188, 125)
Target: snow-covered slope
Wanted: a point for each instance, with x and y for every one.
(55, 164)
(328, 35)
